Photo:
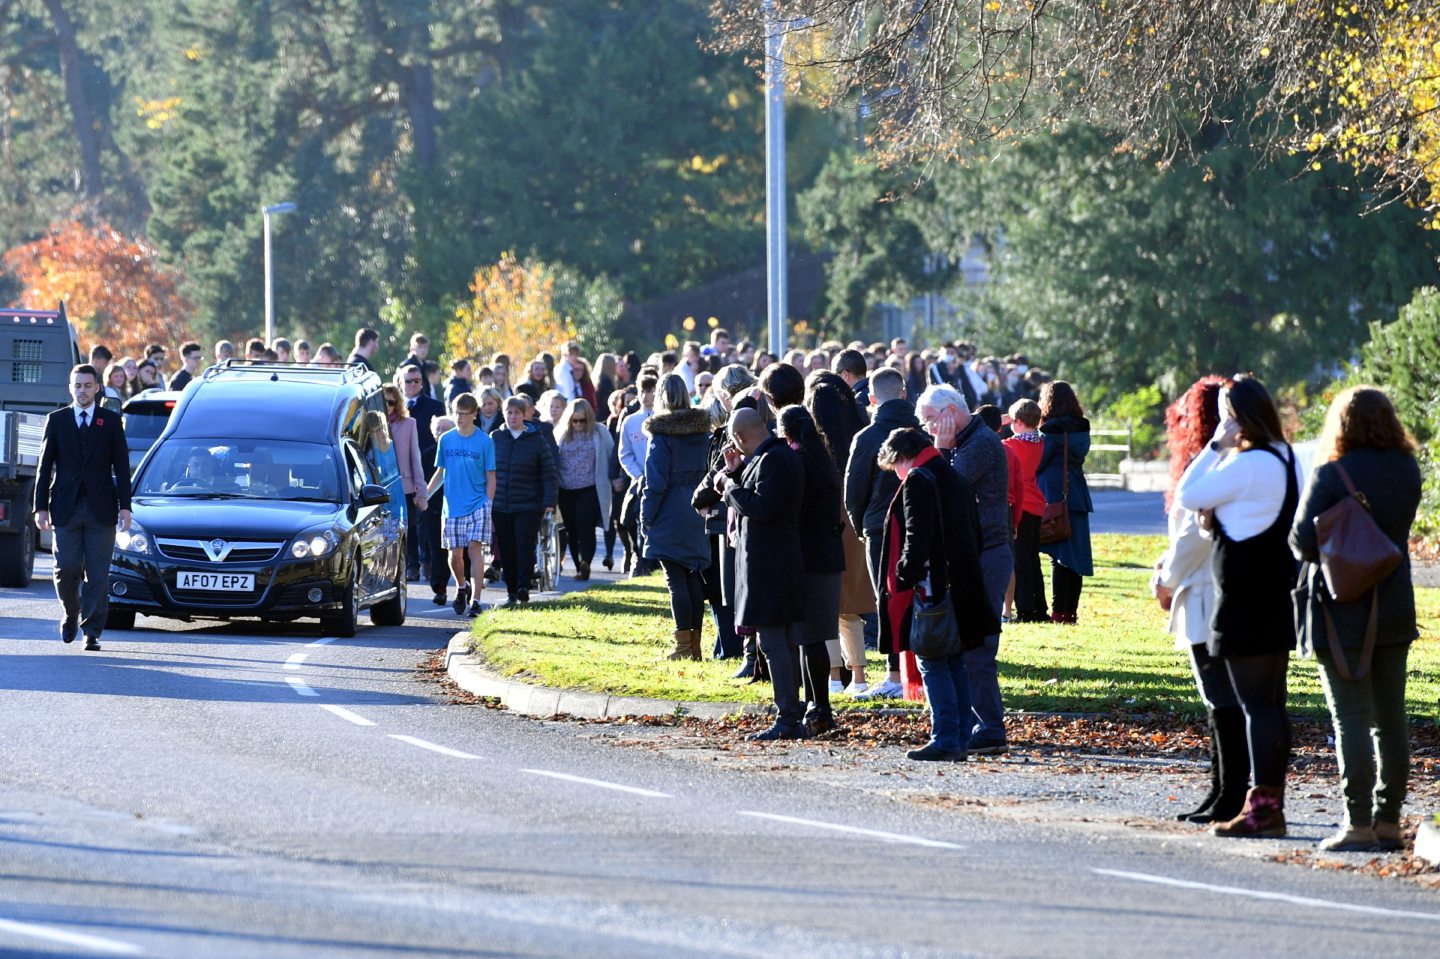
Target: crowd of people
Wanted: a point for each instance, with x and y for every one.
(852, 497)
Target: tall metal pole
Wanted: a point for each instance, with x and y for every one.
(269, 286)
(775, 250)
(286, 207)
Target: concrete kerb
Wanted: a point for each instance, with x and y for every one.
(471, 674)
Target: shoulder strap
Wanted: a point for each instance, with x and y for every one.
(1367, 647)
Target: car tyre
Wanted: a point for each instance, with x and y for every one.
(17, 564)
(120, 619)
(391, 612)
(343, 622)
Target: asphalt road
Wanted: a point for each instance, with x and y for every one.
(244, 790)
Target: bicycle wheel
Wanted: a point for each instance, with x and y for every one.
(544, 555)
(557, 554)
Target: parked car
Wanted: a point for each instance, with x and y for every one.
(144, 418)
(273, 492)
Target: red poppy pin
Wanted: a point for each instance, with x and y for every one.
(99, 421)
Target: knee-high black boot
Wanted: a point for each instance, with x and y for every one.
(1234, 752)
(1208, 802)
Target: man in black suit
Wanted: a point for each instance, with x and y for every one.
(423, 536)
(82, 492)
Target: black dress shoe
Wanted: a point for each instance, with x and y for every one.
(608, 562)
(92, 644)
(820, 725)
(933, 753)
(438, 599)
(68, 631)
(583, 573)
(778, 731)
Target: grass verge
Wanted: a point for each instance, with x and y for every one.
(1119, 658)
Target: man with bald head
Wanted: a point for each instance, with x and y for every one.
(764, 483)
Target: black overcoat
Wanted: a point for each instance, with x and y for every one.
(769, 565)
(941, 535)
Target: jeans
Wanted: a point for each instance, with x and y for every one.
(687, 594)
(580, 512)
(995, 567)
(947, 690)
(1371, 732)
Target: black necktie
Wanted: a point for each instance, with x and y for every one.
(84, 419)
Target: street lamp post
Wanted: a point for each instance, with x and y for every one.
(778, 262)
(286, 207)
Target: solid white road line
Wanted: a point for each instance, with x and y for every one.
(346, 714)
(295, 660)
(300, 686)
(1260, 894)
(425, 744)
(323, 641)
(598, 782)
(872, 833)
(94, 943)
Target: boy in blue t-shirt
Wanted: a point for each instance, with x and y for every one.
(465, 466)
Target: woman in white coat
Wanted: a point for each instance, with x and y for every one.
(1185, 587)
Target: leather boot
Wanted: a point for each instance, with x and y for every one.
(1262, 818)
(1232, 750)
(694, 645)
(682, 645)
(1208, 802)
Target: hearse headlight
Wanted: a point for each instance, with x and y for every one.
(133, 540)
(314, 543)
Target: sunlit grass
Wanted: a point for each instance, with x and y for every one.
(1117, 659)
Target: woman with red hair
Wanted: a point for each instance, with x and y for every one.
(1185, 587)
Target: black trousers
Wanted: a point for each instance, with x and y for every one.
(427, 526)
(687, 594)
(580, 512)
(1066, 584)
(1259, 683)
(518, 533)
(1030, 604)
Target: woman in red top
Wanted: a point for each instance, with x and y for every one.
(1027, 446)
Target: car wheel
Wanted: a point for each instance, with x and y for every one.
(344, 621)
(17, 561)
(392, 611)
(120, 619)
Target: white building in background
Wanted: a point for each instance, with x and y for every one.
(932, 315)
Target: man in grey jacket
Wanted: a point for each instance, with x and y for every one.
(976, 453)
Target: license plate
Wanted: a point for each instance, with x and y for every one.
(216, 582)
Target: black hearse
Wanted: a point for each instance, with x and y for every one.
(273, 492)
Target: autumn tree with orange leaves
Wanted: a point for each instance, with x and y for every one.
(115, 290)
(511, 310)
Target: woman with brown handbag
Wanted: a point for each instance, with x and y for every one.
(1061, 477)
(1362, 645)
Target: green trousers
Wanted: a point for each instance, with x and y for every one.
(1372, 734)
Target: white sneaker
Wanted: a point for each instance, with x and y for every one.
(855, 689)
(836, 687)
(885, 690)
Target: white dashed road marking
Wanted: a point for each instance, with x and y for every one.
(300, 686)
(1261, 894)
(346, 714)
(323, 641)
(856, 830)
(295, 660)
(602, 784)
(95, 943)
(433, 747)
